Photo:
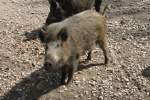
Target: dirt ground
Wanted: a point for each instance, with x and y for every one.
(127, 76)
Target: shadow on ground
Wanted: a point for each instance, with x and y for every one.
(37, 84)
(146, 72)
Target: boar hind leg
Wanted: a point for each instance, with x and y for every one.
(89, 55)
(102, 45)
(67, 74)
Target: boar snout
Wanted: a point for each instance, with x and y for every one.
(47, 64)
(52, 64)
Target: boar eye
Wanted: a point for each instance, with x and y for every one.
(57, 44)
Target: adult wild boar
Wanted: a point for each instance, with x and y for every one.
(66, 41)
(62, 9)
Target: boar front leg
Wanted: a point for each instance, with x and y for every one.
(67, 74)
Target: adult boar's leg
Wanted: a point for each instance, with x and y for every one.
(97, 5)
(67, 74)
(102, 44)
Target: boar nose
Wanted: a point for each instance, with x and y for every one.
(48, 64)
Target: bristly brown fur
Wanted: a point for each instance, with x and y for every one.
(83, 30)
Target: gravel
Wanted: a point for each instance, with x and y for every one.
(127, 76)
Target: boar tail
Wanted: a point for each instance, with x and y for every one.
(105, 8)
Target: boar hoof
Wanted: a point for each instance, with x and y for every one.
(63, 82)
(106, 61)
(63, 78)
(67, 75)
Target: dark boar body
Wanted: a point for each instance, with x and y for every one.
(62, 9)
(66, 41)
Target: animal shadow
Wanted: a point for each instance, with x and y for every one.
(37, 84)
(146, 72)
(33, 86)
(34, 34)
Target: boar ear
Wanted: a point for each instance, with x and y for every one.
(63, 34)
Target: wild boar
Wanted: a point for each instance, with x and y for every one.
(62, 9)
(66, 41)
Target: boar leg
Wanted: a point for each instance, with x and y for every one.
(67, 73)
(64, 74)
(102, 45)
(97, 5)
(70, 74)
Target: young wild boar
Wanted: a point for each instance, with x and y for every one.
(62, 9)
(66, 41)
